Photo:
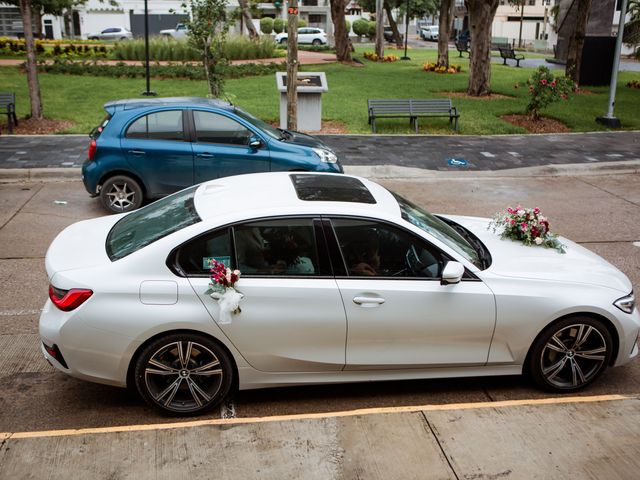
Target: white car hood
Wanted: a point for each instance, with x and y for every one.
(80, 245)
(514, 259)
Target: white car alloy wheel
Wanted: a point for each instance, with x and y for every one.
(183, 373)
(121, 194)
(571, 354)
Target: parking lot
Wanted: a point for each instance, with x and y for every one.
(601, 212)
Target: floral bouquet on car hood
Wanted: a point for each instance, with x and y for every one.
(527, 225)
(222, 289)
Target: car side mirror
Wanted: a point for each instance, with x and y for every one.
(255, 142)
(452, 273)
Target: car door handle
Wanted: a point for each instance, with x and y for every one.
(137, 152)
(205, 155)
(368, 300)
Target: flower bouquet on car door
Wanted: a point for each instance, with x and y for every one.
(222, 289)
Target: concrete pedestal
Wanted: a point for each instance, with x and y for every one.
(310, 87)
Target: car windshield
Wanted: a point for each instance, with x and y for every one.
(438, 229)
(256, 122)
(159, 219)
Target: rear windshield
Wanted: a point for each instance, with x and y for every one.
(151, 223)
(95, 133)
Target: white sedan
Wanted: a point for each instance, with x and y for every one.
(113, 33)
(341, 281)
(306, 35)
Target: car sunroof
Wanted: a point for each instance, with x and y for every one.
(331, 188)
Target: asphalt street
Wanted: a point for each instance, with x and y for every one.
(431, 152)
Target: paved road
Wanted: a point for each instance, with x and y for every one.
(431, 152)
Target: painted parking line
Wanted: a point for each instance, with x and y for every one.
(309, 416)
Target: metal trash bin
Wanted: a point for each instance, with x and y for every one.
(310, 87)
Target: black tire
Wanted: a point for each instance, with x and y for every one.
(283, 41)
(570, 354)
(316, 42)
(180, 383)
(121, 194)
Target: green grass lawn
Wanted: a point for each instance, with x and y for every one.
(80, 99)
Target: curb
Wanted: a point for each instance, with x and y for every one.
(378, 172)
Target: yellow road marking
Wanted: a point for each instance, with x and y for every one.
(307, 416)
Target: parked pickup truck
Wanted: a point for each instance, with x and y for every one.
(180, 31)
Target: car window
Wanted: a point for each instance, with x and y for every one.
(216, 128)
(376, 249)
(196, 256)
(151, 223)
(165, 125)
(277, 247)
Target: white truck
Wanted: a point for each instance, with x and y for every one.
(180, 31)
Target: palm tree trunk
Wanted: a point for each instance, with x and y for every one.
(444, 31)
(481, 13)
(343, 47)
(576, 42)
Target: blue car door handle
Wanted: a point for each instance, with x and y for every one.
(137, 152)
(205, 155)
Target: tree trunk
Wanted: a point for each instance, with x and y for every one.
(248, 21)
(379, 29)
(343, 47)
(393, 25)
(576, 42)
(292, 67)
(37, 19)
(32, 65)
(444, 32)
(207, 70)
(481, 13)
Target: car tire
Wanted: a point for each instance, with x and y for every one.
(283, 41)
(184, 374)
(316, 42)
(121, 194)
(570, 354)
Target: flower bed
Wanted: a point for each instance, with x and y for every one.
(374, 57)
(434, 67)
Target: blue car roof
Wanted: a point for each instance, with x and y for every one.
(133, 103)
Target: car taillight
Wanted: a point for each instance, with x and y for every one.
(67, 300)
(92, 150)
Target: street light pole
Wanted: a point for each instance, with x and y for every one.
(406, 32)
(147, 92)
(609, 119)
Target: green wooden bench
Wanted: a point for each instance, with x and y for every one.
(8, 108)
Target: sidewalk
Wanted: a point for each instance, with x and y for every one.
(565, 437)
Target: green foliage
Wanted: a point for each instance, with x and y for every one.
(347, 24)
(279, 25)
(302, 23)
(160, 49)
(208, 26)
(361, 27)
(545, 89)
(371, 30)
(266, 25)
(176, 70)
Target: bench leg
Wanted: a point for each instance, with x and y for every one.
(517, 62)
(456, 124)
(504, 61)
(415, 123)
(9, 124)
(373, 125)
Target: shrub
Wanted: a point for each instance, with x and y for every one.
(371, 29)
(266, 25)
(302, 23)
(361, 27)
(174, 70)
(347, 25)
(279, 25)
(546, 89)
(633, 84)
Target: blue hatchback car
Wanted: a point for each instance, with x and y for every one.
(148, 148)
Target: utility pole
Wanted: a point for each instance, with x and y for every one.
(292, 65)
(610, 119)
(521, 22)
(147, 92)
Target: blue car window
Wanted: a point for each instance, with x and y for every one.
(215, 128)
(165, 125)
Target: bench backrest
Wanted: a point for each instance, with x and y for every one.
(409, 106)
(507, 52)
(460, 45)
(7, 98)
